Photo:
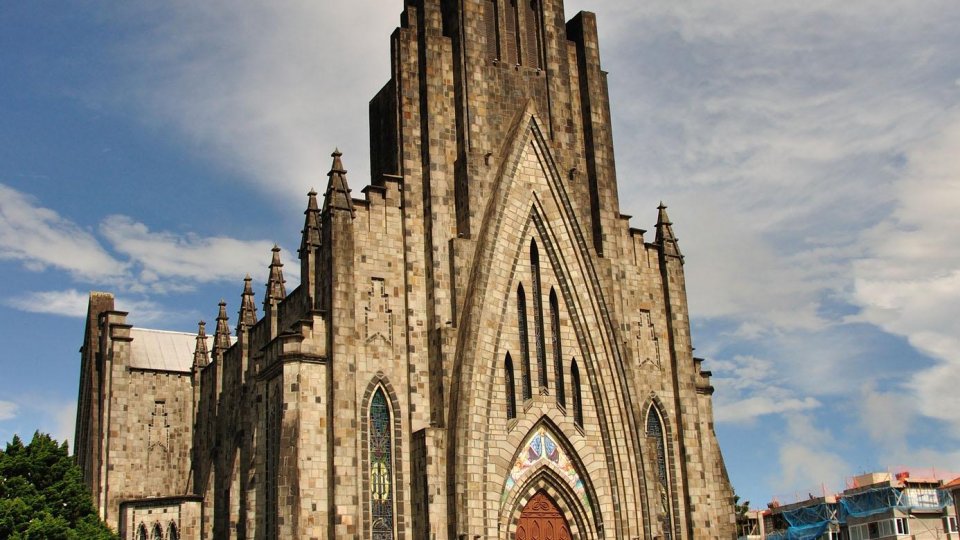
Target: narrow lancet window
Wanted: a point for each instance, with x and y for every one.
(490, 28)
(532, 48)
(655, 432)
(538, 317)
(577, 396)
(172, 533)
(510, 388)
(157, 532)
(512, 35)
(381, 466)
(557, 349)
(524, 344)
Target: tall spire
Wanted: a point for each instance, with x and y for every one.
(337, 196)
(275, 289)
(247, 317)
(665, 237)
(200, 357)
(221, 340)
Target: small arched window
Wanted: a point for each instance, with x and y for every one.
(577, 395)
(142, 532)
(655, 431)
(538, 317)
(510, 389)
(157, 532)
(172, 533)
(381, 466)
(557, 349)
(524, 344)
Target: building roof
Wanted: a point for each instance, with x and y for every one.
(953, 484)
(163, 350)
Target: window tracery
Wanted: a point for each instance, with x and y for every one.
(381, 467)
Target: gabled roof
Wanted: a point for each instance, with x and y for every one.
(163, 350)
(953, 484)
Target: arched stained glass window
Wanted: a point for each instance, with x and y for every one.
(142, 532)
(510, 387)
(655, 431)
(157, 532)
(172, 533)
(577, 396)
(538, 317)
(524, 344)
(557, 349)
(381, 467)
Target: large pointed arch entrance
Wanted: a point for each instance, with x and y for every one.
(541, 519)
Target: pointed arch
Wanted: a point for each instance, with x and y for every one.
(576, 394)
(172, 531)
(381, 451)
(557, 349)
(510, 387)
(524, 344)
(157, 532)
(538, 317)
(658, 436)
(142, 532)
(547, 462)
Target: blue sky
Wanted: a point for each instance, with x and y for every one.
(807, 151)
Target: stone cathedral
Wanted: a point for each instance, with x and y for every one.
(480, 345)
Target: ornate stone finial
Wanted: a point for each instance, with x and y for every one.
(310, 235)
(247, 317)
(337, 196)
(221, 339)
(665, 237)
(200, 357)
(275, 288)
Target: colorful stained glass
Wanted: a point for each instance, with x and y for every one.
(542, 450)
(381, 467)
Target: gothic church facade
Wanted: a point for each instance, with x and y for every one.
(480, 346)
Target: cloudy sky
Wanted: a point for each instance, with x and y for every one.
(809, 153)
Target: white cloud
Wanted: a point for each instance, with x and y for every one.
(8, 410)
(164, 258)
(40, 238)
(69, 303)
(140, 261)
(807, 465)
(750, 387)
(268, 89)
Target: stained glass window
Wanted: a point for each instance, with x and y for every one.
(655, 431)
(524, 343)
(510, 389)
(538, 317)
(557, 352)
(172, 533)
(157, 532)
(142, 532)
(381, 467)
(577, 396)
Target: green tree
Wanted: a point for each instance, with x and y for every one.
(42, 495)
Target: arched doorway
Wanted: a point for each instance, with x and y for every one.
(542, 520)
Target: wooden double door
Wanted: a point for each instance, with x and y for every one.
(542, 520)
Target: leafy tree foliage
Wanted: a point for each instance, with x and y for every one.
(42, 495)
